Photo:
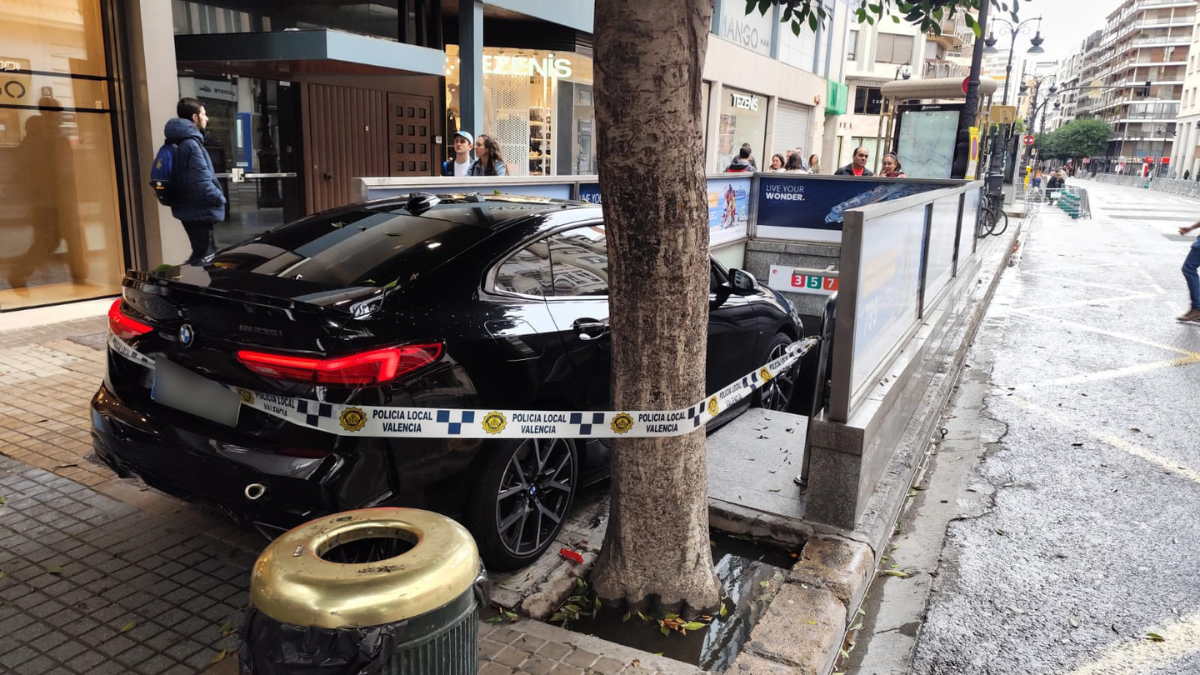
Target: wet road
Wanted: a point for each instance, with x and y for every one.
(1077, 535)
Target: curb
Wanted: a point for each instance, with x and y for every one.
(802, 631)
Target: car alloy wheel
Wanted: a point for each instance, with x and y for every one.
(777, 392)
(535, 495)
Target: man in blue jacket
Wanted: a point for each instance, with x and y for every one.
(200, 203)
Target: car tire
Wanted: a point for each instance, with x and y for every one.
(776, 394)
(525, 490)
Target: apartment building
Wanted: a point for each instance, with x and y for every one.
(1186, 156)
(1142, 41)
(1071, 85)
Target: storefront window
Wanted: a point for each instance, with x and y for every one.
(743, 120)
(538, 105)
(60, 234)
(379, 18)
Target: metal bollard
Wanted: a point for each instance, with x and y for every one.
(385, 590)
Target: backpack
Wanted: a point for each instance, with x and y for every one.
(164, 175)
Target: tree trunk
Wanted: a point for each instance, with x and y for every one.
(649, 60)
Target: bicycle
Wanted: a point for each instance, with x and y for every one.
(992, 218)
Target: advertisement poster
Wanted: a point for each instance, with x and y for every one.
(792, 280)
(973, 161)
(728, 209)
(590, 193)
(811, 209)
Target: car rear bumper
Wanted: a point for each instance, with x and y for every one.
(190, 461)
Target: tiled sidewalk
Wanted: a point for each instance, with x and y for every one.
(143, 583)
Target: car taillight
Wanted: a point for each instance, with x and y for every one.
(122, 326)
(365, 368)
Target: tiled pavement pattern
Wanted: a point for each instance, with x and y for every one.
(507, 651)
(80, 568)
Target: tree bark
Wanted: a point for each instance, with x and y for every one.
(649, 61)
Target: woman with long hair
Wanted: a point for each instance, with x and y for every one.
(891, 167)
(488, 161)
(777, 163)
(795, 164)
(814, 164)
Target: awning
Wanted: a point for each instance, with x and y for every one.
(943, 88)
(287, 54)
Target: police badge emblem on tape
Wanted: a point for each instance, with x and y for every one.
(346, 419)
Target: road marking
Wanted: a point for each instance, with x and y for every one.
(1168, 465)
(1067, 280)
(1113, 374)
(1090, 301)
(1109, 333)
(1181, 638)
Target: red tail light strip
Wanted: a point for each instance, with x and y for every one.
(122, 325)
(407, 422)
(365, 368)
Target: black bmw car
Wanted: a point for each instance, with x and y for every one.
(453, 301)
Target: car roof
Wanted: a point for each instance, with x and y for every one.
(472, 208)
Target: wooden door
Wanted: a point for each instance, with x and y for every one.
(345, 137)
(411, 130)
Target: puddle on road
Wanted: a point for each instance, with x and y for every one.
(742, 567)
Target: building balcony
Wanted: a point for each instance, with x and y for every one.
(1180, 40)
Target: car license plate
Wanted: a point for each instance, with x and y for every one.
(180, 388)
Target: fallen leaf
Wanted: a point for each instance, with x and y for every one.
(1074, 622)
(65, 466)
(635, 663)
(857, 626)
(775, 490)
(495, 620)
(724, 610)
(1001, 532)
(128, 627)
(227, 628)
(573, 556)
(896, 573)
(3, 500)
(665, 631)
(626, 617)
(764, 584)
(1077, 445)
(2, 575)
(54, 569)
(693, 625)
(1153, 637)
(1135, 430)
(219, 656)
(812, 623)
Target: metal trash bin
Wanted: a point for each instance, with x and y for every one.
(387, 590)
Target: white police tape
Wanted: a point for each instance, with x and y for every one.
(388, 421)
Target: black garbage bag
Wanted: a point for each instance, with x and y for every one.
(268, 647)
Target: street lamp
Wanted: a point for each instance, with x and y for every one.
(1014, 30)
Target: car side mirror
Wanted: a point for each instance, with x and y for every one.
(742, 281)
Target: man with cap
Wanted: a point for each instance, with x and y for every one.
(461, 164)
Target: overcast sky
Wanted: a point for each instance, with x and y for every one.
(1065, 23)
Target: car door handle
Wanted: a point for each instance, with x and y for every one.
(590, 329)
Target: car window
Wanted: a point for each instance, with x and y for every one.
(579, 261)
(527, 272)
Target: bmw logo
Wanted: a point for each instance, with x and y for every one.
(186, 335)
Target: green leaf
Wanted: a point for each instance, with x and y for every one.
(764, 584)
(579, 583)
(812, 22)
(2, 499)
(857, 626)
(572, 608)
(627, 617)
(665, 631)
(557, 616)
(670, 617)
(862, 611)
(499, 619)
(896, 573)
(693, 625)
(796, 28)
(2, 575)
(227, 627)
(895, 19)
(1154, 637)
(643, 617)
(724, 610)
(128, 627)
(878, 9)
(54, 569)
(219, 656)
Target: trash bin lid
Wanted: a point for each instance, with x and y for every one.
(297, 581)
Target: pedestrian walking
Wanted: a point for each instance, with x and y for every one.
(741, 163)
(461, 164)
(814, 164)
(890, 167)
(196, 199)
(488, 161)
(857, 167)
(1190, 266)
(1055, 185)
(795, 164)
